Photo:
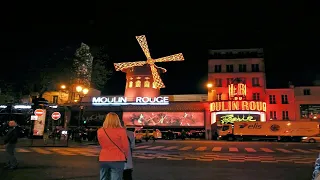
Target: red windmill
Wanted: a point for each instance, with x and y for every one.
(143, 79)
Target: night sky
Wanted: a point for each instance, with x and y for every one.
(289, 36)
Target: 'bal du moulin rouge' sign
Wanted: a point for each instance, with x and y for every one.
(238, 106)
(118, 101)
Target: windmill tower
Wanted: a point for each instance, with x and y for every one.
(143, 79)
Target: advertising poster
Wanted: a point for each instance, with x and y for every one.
(231, 118)
(39, 124)
(183, 119)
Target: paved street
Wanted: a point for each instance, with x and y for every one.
(168, 163)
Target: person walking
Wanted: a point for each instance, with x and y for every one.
(10, 142)
(114, 144)
(128, 167)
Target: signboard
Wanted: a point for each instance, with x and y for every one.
(118, 101)
(55, 115)
(238, 106)
(165, 119)
(237, 91)
(39, 112)
(34, 118)
(232, 118)
(39, 124)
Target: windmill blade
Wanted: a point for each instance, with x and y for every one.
(156, 77)
(144, 45)
(125, 65)
(175, 57)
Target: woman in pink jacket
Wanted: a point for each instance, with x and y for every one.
(114, 148)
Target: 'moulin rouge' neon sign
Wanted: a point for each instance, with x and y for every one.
(238, 106)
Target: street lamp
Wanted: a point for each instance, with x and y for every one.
(82, 92)
(63, 86)
(211, 91)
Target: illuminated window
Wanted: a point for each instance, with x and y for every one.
(284, 99)
(146, 84)
(273, 115)
(130, 84)
(256, 96)
(285, 115)
(272, 99)
(138, 83)
(154, 85)
(138, 78)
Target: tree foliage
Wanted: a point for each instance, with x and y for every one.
(100, 72)
(66, 66)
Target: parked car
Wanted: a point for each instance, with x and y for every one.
(312, 139)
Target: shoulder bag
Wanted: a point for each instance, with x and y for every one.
(115, 144)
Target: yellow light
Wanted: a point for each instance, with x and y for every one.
(75, 100)
(288, 124)
(209, 85)
(63, 87)
(85, 91)
(78, 89)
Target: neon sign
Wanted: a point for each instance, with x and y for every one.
(118, 101)
(237, 91)
(230, 118)
(238, 105)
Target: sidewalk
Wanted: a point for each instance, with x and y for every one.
(25, 142)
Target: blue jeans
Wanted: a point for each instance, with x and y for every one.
(111, 170)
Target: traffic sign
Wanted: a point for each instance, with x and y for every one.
(39, 112)
(55, 115)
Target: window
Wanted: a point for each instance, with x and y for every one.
(256, 96)
(154, 85)
(255, 82)
(217, 68)
(219, 97)
(255, 67)
(273, 115)
(284, 99)
(310, 111)
(230, 68)
(272, 99)
(146, 83)
(130, 84)
(242, 68)
(138, 83)
(229, 81)
(55, 99)
(306, 92)
(218, 82)
(285, 115)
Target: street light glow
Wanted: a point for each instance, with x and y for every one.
(85, 91)
(78, 89)
(63, 86)
(209, 85)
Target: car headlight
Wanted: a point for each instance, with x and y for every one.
(304, 137)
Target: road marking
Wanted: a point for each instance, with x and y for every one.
(266, 150)
(185, 148)
(300, 150)
(41, 151)
(155, 147)
(62, 152)
(233, 150)
(315, 150)
(284, 150)
(201, 148)
(250, 150)
(81, 152)
(22, 150)
(170, 148)
(141, 147)
(216, 149)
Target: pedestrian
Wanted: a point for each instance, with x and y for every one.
(115, 149)
(128, 167)
(154, 135)
(10, 142)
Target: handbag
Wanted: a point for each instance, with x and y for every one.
(115, 145)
